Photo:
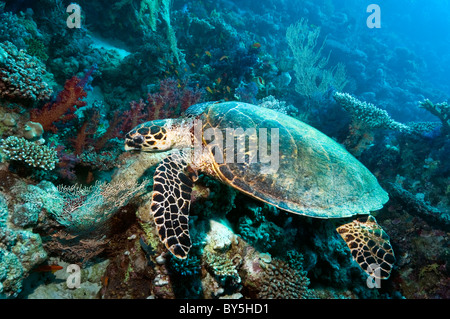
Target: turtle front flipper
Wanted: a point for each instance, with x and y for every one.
(171, 202)
(369, 245)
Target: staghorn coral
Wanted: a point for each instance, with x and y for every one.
(21, 75)
(441, 110)
(19, 149)
(62, 110)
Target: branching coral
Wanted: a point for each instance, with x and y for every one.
(19, 149)
(312, 78)
(222, 266)
(62, 110)
(21, 75)
(441, 110)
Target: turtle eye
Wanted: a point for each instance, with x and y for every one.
(138, 139)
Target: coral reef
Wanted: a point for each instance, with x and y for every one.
(21, 75)
(20, 248)
(69, 194)
(282, 281)
(417, 205)
(86, 208)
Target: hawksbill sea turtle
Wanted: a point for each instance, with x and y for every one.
(308, 174)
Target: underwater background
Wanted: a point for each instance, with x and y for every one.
(73, 202)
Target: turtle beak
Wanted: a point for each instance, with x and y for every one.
(133, 142)
(129, 148)
(130, 145)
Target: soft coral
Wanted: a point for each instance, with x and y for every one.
(62, 110)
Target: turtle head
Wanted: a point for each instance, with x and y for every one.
(153, 136)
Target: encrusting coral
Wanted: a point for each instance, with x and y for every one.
(282, 281)
(20, 248)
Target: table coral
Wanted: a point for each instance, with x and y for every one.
(21, 75)
(367, 115)
(19, 149)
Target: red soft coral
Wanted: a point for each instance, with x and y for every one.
(62, 110)
(172, 100)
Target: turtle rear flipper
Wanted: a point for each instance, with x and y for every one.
(171, 202)
(369, 245)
